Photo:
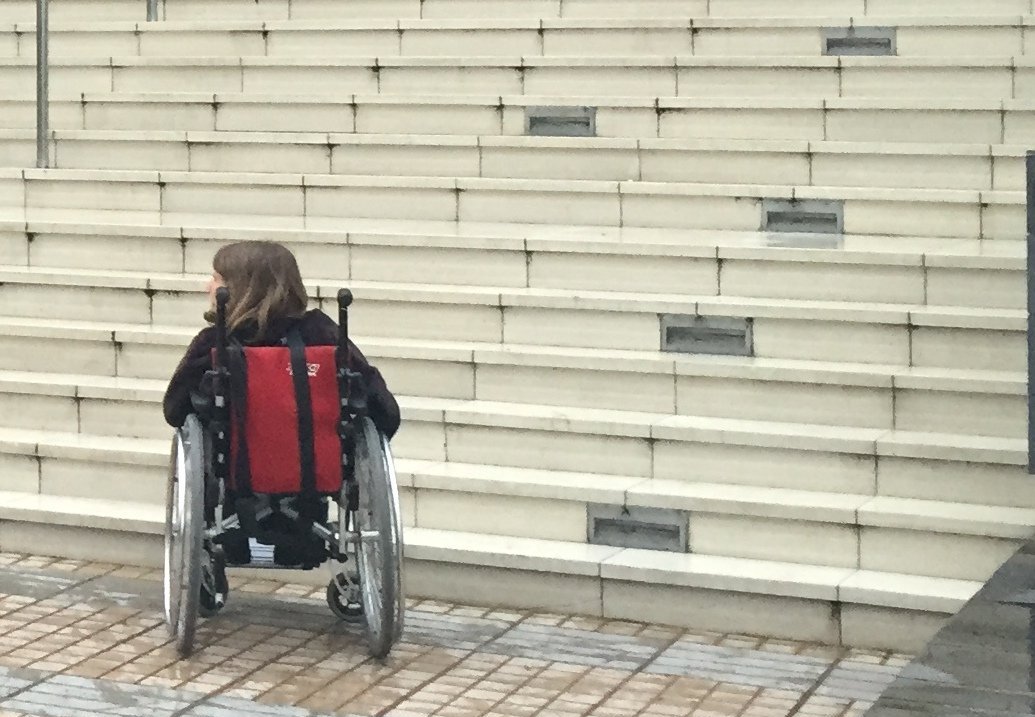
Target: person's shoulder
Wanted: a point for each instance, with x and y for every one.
(204, 339)
(318, 327)
(316, 317)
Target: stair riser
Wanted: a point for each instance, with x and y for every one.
(22, 10)
(910, 41)
(983, 414)
(988, 126)
(800, 541)
(637, 206)
(991, 83)
(935, 171)
(684, 459)
(509, 266)
(789, 338)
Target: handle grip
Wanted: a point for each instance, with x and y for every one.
(222, 298)
(344, 302)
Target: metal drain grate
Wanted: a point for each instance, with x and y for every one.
(809, 216)
(876, 41)
(561, 121)
(716, 335)
(646, 528)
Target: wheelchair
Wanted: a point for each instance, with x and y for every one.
(246, 490)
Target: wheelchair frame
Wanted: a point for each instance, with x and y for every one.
(368, 526)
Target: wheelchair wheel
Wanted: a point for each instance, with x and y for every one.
(397, 536)
(377, 552)
(343, 598)
(183, 535)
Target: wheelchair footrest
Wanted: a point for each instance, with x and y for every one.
(242, 550)
(261, 554)
(267, 566)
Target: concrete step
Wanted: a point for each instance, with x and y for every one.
(688, 263)
(930, 538)
(236, 10)
(188, 247)
(658, 446)
(823, 164)
(726, 519)
(883, 121)
(160, 197)
(914, 36)
(990, 78)
(833, 605)
(907, 270)
(979, 403)
(900, 334)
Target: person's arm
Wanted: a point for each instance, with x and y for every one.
(187, 378)
(384, 409)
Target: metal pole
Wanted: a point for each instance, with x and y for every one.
(42, 87)
(152, 10)
(1030, 167)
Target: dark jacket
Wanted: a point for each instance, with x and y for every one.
(317, 329)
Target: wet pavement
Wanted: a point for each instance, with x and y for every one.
(982, 663)
(88, 639)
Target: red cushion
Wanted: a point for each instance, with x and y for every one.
(271, 420)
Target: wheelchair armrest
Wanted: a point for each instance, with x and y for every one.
(202, 399)
(357, 393)
(202, 404)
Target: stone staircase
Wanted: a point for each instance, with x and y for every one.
(852, 478)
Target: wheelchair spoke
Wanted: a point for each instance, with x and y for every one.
(363, 536)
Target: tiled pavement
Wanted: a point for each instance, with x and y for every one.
(88, 639)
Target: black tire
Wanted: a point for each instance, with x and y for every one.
(397, 537)
(183, 535)
(345, 611)
(377, 555)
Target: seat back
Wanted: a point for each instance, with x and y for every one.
(271, 427)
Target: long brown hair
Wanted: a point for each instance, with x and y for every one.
(264, 284)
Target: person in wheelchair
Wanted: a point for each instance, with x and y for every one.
(267, 301)
(267, 307)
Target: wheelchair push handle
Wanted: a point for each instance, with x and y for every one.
(344, 302)
(350, 383)
(222, 299)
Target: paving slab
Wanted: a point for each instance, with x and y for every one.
(80, 638)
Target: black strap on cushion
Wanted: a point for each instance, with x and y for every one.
(238, 411)
(303, 402)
